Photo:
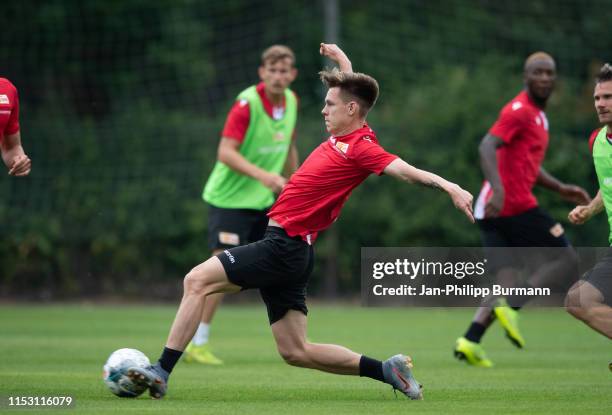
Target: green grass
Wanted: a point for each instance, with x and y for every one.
(60, 350)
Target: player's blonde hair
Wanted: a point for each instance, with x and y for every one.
(353, 86)
(276, 53)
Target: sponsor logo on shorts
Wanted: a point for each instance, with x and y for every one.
(229, 238)
(230, 256)
(4, 99)
(557, 230)
(607, 181)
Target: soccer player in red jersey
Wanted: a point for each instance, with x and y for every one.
(257, 146)
(15, 159)
(280, 264)
(506, 210)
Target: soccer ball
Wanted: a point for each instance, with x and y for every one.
(116, 366)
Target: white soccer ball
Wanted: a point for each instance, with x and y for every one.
(116, 366)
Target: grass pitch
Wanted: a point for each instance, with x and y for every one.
(60, 350)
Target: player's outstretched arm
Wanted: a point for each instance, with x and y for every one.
(336, 54)
(569, 192)
(581, 214)
(18, 163)
(462, 199)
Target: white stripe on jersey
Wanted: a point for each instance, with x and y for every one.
(479, 208)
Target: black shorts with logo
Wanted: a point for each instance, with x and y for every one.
(601, 277)
(228, 228)
(279, 265)
(533, 228)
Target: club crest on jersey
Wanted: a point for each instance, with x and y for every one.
(4, 99)
(343, 147)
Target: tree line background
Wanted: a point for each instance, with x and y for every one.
(122, 104)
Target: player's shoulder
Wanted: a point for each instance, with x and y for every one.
(250, 92)
(366, 135)
(5, 83)
(365, 140)
(517, 108)
(592, 138)
(594, 133)
(242, 103)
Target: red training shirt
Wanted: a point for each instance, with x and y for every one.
(523, 127)
(238, 118)
(9, 109)
(594, 136)
(312, 199)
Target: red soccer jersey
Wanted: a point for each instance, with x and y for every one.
(523, 127)
(594, 136)
(9, 108)
(312, 199)
(237, 121)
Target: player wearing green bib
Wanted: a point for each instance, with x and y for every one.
(257, 148)
(590, 299)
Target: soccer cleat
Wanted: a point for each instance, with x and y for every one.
(508, 318)
(201, 354)
(153, 377)
(471, 352)
(397, 372)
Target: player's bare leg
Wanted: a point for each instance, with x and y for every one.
(585, 302)
(199, 350)
(290, 335)
(207, 278)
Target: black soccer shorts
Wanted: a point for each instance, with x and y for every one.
(228, 228)
(279, 265)
(533, 228)
(601, 277)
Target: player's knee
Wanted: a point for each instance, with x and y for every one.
(572, 303)
(570, 299)
(293, 356)
(195, 283)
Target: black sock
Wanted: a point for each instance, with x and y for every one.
(371, 368)
(169, 358)
(475, 332)
(518, 301)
